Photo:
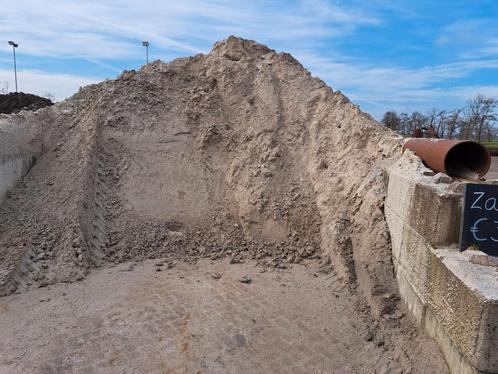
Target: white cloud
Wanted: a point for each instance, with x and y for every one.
(103, 32)
(475, 38)
(393, 78)
(442, 40)
(111, 29)
(401, 89)
(41, 83)
(108, 33)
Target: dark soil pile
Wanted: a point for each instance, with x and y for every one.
(16, 101)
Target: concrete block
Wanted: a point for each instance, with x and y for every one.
(458, 310)
(412, 300)
(435, 215)
(433, 210)
(459, 317)
(415, 261)
(464, 298)
(395, 224)
(457, 363)
(400, 189)
(487, 343)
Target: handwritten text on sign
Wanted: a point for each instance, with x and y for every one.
(480, 218)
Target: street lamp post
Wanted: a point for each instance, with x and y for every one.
(14, 46)
(146, 45)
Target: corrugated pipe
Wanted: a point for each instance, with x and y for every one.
(456, 158)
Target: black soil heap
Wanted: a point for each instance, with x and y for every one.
(16, 101)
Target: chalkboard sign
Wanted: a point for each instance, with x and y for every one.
(480, 218)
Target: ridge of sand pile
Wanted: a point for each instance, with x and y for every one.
(237, 153)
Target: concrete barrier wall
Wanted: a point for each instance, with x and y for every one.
(453, 299)
(12, 169)
(20, 146)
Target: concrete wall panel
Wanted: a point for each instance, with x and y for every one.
(20, 145)
(454, 299)
(12, 169)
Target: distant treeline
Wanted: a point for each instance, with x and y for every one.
(475, 121)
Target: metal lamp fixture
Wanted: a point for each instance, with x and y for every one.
(14, 46)
(146, 45)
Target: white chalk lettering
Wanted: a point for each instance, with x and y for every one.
(491, 237)
(474, 230)
(491, 206)
(473, 206)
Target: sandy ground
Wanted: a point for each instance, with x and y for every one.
(134, 319)
(493, 170)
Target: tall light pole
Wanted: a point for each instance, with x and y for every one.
(146, 45)
(14, 46)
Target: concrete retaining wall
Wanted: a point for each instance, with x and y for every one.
(12, 169)
(453, 299)
(20, 146)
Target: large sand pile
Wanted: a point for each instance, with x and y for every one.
(237, 153)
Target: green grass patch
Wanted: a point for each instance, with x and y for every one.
(492, 147)
(493, 144)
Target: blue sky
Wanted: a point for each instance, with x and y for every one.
(401, 55)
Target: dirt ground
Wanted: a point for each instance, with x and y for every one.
(493, 170)
(131, 318)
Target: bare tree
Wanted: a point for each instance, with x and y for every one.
(416, 121)
(437, 118)
(432, 116)
(475, 121)
(441, 125)
(403, 124)
(467, 125)
(391, 120)
(489, 131)
(452, 123)
(481, 111)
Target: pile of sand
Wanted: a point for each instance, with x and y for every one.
(237, 153)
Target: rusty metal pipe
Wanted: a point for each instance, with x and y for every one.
(457, 158)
